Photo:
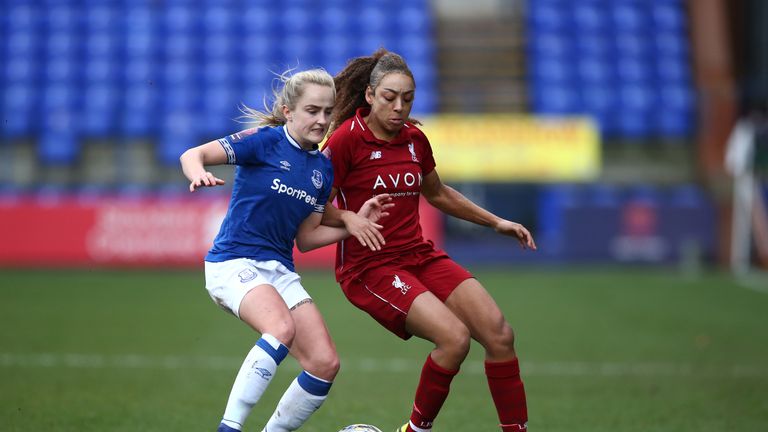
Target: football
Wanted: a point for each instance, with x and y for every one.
(360, 428)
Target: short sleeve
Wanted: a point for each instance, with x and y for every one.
(427, 159)
(337, 150)
(246, 147)
(322, 198)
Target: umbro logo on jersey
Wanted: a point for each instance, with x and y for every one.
(285, 165)
(376, 154)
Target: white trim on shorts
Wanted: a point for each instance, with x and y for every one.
(229, 281)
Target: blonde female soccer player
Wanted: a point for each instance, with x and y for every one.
(281, 186)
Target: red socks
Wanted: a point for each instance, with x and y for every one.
(508, 394)
(432, 391)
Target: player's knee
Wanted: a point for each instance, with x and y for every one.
(324, 365)
(284, 331)
(455, 342)
(501, 342)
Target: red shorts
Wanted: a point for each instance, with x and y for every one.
(387, 291)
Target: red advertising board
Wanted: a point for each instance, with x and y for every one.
(147, 232)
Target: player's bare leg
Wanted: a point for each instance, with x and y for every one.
(315, 351)
(430, 319)
(264, 310)
(479, 312)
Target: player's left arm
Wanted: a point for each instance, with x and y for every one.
(452, 202)
(312, 234)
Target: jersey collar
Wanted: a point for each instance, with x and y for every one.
(368, 136)
(295, 144)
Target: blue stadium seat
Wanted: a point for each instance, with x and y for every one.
(600, 101)
(673, 70)
(595, 70)
(21, 70)
(220, 47)
(632, 70)
(591, 17)
(218, 18)
(180, 97)
(548, 16)
(415, 20)
(139, 20)
(556, 99)
(670, 44)
(60, 96)
(629, 17)
(62, 69)
(181, 18)
(177, 135)
(181, 45)
(336, 21)
(593, 45)
(551, 46)
(139, 112)
(299, 51)
(102, 70)
(99, 116)
(298, 21)
(415, 48)
(259, 19)
(58, 143)
(632, 46)
(667, 16)
(374, 21)
(179, 72)
(336, 51)
(675, 113)
(19, 106)
(547, 70)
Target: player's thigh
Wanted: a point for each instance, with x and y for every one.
(477, 309)
(312, 346)
(265, 311)
(386, 293)
(429, 318)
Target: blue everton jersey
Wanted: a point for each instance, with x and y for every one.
(277, 185)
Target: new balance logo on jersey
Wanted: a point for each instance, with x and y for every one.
(393, 180)
(402, 286)
(376, 154)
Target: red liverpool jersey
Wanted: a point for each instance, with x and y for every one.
(365, 166)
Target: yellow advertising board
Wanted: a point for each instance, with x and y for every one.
(510, 147)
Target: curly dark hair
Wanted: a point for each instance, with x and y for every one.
(360, 73)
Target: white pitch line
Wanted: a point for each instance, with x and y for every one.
(374, 365)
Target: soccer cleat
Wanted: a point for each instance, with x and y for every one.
(403, 428)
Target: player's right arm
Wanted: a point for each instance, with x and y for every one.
(194, 161)
(363, 229)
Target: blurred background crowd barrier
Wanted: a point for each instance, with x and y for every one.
(603, 125)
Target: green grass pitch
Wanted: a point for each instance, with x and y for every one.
(601, 350)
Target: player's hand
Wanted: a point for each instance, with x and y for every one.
(362, 225)
(376, 207)
(518, 231)
(206, 179)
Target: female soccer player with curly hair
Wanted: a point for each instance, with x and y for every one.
(408, 286)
